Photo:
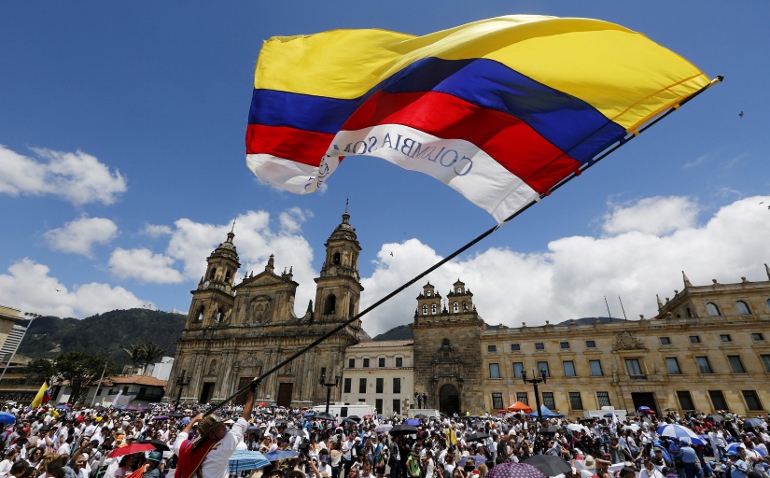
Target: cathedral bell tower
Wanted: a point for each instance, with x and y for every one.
(338, 289)
(213, 300)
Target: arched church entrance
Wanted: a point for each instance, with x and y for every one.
(449, 400)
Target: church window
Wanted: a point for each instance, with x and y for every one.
(218, 317)
(428, 293)
(456, 307)
(712, 309)
(352, 309)
(689, 312)
(459, 290)
(424, 309)
(331, 304)
(743, 308)
(227, 276)
(336, 259)
(465, 307)
(213, 273)
(200, 314)
(433, 309)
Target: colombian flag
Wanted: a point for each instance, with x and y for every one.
(501, 110)
(42, 397)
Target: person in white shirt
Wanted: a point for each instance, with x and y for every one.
(650, 470)
(211, 451)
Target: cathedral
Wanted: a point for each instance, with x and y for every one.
(236, 331)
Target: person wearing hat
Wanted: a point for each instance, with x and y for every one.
(155, 465)
(649, 470)
(210, 452)
(738, 462)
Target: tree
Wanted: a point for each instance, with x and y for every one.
(82, 370)
(135, 354)
(152, 351)
(41, 370)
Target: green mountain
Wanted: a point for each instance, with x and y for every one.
(402, 332)
(107, 334)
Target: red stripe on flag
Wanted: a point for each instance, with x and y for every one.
(306, 147)
(507, 139)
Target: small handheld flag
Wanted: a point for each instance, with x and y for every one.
(501, 110)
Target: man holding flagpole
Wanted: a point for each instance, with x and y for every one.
(208, 455)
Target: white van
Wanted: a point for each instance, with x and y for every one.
(428, 412)
(343, 410)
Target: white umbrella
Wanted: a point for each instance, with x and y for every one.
(576, 427)
(632, 426)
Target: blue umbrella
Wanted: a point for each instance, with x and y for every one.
(62, 407)
(242, 460)
(7, 418)
(412, 421)
(678, 431)
(279, 455)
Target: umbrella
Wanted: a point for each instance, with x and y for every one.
(349, 420)
(253, 430)
(550, 465)
(477, 436)
(161, 417)
(262, 404)
(355, 418)
(383, 428)
(515, 470)
(130, 449)
(678, 431)
(732, 449)
(644, 408)
(716, 418)
(99, 408)
(242, 460)
(62, 407)
(412, 421)
(7, 418)
(158, 444)
(403, 430)
(176, 415)
(633, 427)
(324, 416)
(294, 432)
(135, 408)
(476, 459)
(754, 422)
(279, 455)
(575, 427)
(520, 407)
(548, 430)
(421, 416)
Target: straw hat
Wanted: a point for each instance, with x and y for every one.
(208, 423)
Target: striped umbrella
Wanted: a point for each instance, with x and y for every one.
(678, 431)
(242, 460)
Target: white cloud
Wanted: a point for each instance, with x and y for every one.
(145, 266)
(77, 177)
(571, 278)
(191, 243)
(30, 288)
(79, 236)
(154, 230)
(656, 215)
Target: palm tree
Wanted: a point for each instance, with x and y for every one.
(136, 354)
(152, 351)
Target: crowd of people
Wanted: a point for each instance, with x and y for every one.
(85, 442)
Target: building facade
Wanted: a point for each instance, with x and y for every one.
(707, 350)
(235, 331)
(379, 374)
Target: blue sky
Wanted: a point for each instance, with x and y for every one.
(122, 165)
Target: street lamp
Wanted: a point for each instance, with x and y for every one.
(181, 382)
(329, 386)
(536, 382)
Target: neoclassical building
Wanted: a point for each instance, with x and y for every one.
(236, 331)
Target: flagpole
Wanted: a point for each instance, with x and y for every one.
(467, 246)
(93, 402)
